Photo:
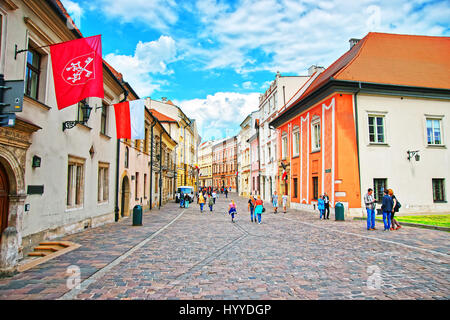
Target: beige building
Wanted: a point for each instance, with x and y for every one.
(54, 181)
(205, 164)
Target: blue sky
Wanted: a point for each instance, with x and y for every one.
(212, 56)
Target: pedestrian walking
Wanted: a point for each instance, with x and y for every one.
(326, 201)
(186, 200)
(251, 207)
(370, 202)
(321, 207)
(395, 225)
(284, 199)
(387, 206)
(214, 195)
(232, 210)
(275, 202)
(226, 193)
(259, 208)
(210, 203)
(201, 201)
(181, 199)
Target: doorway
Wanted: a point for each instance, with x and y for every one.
(125, 199)
(4, 203)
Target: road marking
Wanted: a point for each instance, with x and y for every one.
(101, 272)
(372, 238)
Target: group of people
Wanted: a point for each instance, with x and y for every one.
(389, 206)
(323, 204)
(185, 199)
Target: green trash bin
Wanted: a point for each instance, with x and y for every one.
(339, 212)
(137, 215)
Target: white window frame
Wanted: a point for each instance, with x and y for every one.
(284, 146)
(296, 141)
(103, 183)
(375, 116)
(71, 198)
(441, 128)
(314, 145)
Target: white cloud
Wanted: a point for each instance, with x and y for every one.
(74, 10)
(157, 14)
(219, 115)
(149, 58)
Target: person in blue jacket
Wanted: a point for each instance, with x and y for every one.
(387, 206)
(321, 207)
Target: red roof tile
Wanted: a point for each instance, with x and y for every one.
(161, 117)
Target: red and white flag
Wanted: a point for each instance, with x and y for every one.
(77, 70)
(130, 119)
(284, 176)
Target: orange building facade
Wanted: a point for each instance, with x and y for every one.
(319, 151)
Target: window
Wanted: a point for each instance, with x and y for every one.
(296, 139)
(127, 151)
(103, 182)
(145, 186)
(315, 136)
(438, 190)
(284, 147)
(378, 188)
(75, 182)
(376, 129)
(434, 136)
(295, 188)
(275, 100)
(136, 186)
(32, 73)
(315, 188)
(104, 118)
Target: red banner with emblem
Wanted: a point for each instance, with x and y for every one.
(77, 70)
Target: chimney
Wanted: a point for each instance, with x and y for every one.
(353, 41)
(313, 69)
(164, 99)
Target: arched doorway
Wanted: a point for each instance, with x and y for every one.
(4, 203)
(125, 199)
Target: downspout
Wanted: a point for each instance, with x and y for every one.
(259, 160)
(116, 208)
(160, 170)
(151, 165)
(357, 132)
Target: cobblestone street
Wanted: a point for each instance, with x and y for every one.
(185, 254)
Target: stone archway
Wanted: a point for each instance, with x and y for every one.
(4, 201)
(125, 197)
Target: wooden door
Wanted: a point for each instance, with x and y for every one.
(4, 192)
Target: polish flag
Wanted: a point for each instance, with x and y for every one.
(284, 176)
(77, 70)
(130, 119)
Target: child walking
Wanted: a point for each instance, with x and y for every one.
(232, 210)
(210, 203)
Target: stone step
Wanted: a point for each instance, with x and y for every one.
(38, 254)
(46, 248)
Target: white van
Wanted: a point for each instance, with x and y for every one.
(185, 189)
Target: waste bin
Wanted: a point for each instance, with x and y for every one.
(339, 212)
(137, 215)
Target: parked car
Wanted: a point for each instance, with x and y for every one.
(185, 189)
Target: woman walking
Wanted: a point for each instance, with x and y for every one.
(387, 206)
(259, 208)
(186, 200)
(275, 202)
(201, 201)
(232, 210)
(395, 225)
(251, 207)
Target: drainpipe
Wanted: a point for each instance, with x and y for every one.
(160, 170)
(357, 132)
(151, 164)
(116, 208)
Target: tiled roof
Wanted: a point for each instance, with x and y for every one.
(395, 59)
(161, 117)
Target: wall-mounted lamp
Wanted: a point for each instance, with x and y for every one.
(86, 114)
(414, 154)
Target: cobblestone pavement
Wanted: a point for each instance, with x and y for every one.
(185, 254)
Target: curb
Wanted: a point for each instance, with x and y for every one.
(416, 225)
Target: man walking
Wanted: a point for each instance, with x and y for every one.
(284, 199)
(251, 207)
(326, 202)
(370, 201)
(387, 206)
(275, 202)
(226, 193)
